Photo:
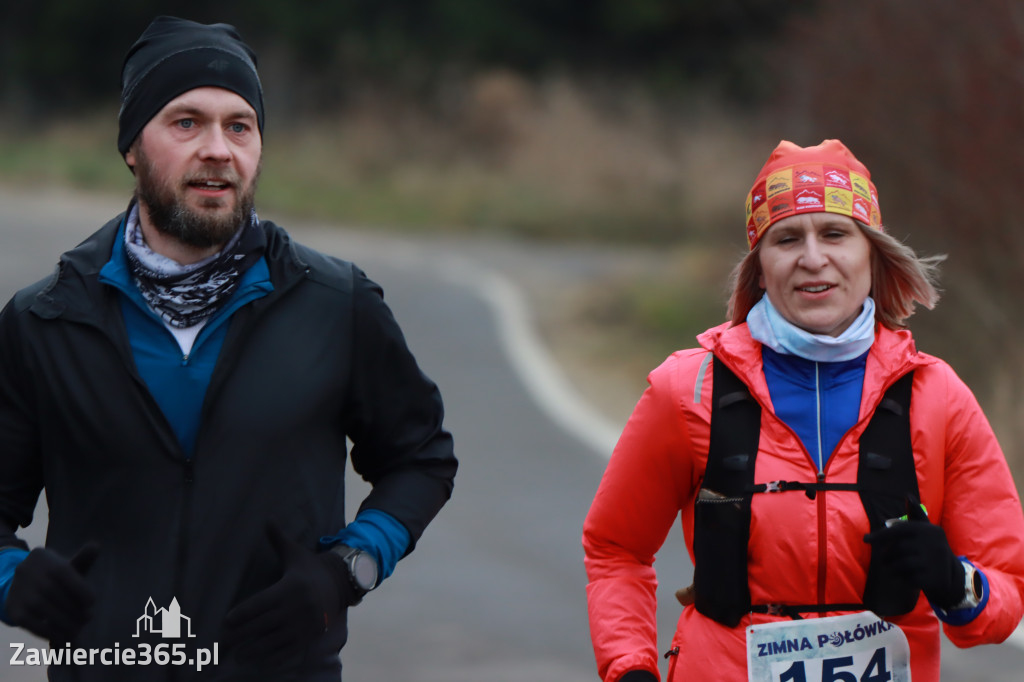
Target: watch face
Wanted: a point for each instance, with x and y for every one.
(364, 570)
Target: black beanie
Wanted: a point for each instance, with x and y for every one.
(174, 56)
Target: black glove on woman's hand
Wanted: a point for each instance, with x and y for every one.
(49, 595)
(291, 613)
(918, 550)
(638, 676)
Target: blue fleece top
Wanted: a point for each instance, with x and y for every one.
(177, 382)
(820, 401)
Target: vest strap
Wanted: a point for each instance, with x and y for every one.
(886, 483)
(722, 509)
(810, 489)
(887, 479)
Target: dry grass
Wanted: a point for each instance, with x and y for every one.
(497, 153)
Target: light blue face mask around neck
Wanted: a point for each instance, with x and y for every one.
(782, 336)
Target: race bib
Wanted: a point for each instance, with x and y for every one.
(859, 647)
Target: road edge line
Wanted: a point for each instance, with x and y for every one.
(531, 360)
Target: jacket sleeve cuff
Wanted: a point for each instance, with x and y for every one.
(375, 532)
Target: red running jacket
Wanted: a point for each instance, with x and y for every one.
(802, 551)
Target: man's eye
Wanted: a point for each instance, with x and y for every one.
(238, 127)
(186, 123)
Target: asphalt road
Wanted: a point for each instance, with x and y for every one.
(495, 590)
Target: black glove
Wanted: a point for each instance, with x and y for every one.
(917, 550)
(49, 595)
(307, 601)
(638, 676)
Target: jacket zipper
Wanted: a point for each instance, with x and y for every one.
(188, 463)
(188, 476)
(822, 511)
(817, 413)
(822, 541)
(822, 526)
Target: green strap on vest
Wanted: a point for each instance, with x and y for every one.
(886, 482)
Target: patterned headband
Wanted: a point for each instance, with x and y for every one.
(825, 178)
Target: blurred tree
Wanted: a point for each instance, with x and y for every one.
(59, 54)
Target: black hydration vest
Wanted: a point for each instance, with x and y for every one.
(886, 482)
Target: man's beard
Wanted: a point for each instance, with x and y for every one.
(169, 214)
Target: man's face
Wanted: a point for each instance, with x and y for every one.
(196, 165)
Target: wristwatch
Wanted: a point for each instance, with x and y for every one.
(362, 570)
(973, 588)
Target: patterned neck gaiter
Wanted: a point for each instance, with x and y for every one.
(185, 295)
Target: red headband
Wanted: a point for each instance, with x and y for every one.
(825, 178)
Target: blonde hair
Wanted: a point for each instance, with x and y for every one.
(899, 280)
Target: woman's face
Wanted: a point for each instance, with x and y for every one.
(816, 268)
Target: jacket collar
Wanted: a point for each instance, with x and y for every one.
(891, 356)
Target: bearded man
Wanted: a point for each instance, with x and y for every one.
(183, 388)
